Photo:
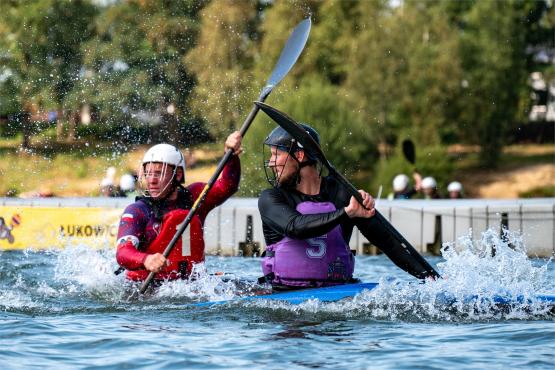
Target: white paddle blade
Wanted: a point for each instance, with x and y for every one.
(291, 52)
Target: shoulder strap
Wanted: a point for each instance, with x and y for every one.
(184, 198)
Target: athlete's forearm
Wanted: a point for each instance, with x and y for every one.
(287, 221)
(129, 257)
(226, 185)
(309, 226)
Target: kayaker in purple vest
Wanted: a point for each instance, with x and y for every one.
(308, 220)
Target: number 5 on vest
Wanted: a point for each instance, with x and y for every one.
(317, 247)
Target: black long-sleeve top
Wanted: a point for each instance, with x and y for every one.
(280, 219)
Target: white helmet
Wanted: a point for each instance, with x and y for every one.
(400, 182)
(106, 182)
(171, 159)
(168, 154)
(127, 182)
(111, 172)
(454, 186)
(429, 183)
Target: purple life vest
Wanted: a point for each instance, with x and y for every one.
(322, 261)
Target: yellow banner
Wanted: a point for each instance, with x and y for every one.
(24, 227)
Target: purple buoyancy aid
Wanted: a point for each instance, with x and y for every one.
(322, 261)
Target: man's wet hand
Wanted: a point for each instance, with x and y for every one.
(233, 142)
(155, 262)
(366, 210)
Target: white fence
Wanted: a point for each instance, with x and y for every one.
(425, 224)
(235, 227)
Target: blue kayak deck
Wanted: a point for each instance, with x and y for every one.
(336, 293)
(327, 294)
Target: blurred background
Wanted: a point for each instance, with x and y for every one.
(87, 85)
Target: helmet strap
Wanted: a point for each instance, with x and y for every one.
(307, 163)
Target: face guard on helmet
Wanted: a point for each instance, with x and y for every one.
(171, 159)
(282, 140)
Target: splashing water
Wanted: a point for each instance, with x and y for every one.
(82, 271)
(496, 264)
(80, 268)
(475, 273)
(476, 277)
(205, 287)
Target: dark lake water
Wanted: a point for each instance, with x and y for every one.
(66, 309)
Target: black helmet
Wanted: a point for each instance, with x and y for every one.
(284, 141)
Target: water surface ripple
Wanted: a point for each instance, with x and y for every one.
(66, 309)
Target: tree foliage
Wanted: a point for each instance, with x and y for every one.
(222, 62)
(134, 67)
(493, 57)
(438, 72)
(42, 49)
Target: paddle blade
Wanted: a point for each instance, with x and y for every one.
(408, 150)
(291, 52)
(295, 130)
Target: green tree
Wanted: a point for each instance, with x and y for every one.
(376, 65)
(9, 102)
(222, 63)
(431, 80)
(41, 40)
(404, 71)
(493, 55)
(337, 26)
(134, 70)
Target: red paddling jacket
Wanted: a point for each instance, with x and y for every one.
(147, 226)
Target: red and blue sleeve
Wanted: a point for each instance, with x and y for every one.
(131, 229)
(226, 185)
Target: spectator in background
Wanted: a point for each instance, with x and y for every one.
(107, 188)
(42, 193)
(190, 158)
(127, 186)
(111, 173)
(402, 188)
(429, 188)
(455, 190)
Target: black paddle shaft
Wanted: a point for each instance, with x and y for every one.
(289, 55)
(309, 144)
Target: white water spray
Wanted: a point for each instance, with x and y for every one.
(475, 275)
